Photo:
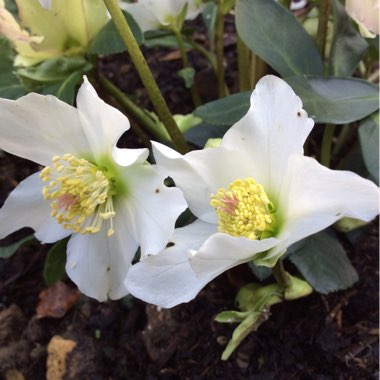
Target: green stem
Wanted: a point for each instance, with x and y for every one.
(286, 3)
(185, 62)
(209, 56)
(146, 76)
(326, 144)
(243, 55)
(281, 276)
(220, 49)
(324, 11)
(341, 141)
(258, 69)
(133, 109)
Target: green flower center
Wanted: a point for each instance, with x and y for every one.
(244, 210)
(80, 194)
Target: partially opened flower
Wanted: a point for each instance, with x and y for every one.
(254, 196)
(156, 14)
(366, 14)
(49, 29)
(108, 199)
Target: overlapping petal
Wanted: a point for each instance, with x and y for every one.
(266, 145)
(38, 127)
(98, 264)
(25, 207)
(151, 208)
(168, 279)
(274, 128)
(314, 197)
(200, 173)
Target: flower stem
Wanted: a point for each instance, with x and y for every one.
(146, 76)
(324, 11)
(281, 276)
(344, 135)
(185, 62)
(220, 49)
(258, 69)
(328, 135)
(243, 55)
(133, 109)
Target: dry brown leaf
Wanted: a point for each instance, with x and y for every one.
(56, 300)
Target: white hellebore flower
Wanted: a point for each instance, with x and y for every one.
(156, 14)
(254, 196)
(366, 14)
(108, 199)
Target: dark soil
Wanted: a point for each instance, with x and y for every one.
(318, 337)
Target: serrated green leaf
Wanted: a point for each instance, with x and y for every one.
(348, 47)
(10, 250)
(324, 264)
(369, 143)
(335, 100)
(275, 35)
(108, 40)
(55, 262)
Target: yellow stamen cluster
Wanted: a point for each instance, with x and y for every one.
(80, 194)
(244, 210)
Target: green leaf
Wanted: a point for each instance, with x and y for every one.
(249, 324)
(276, 36)
(55, 262)
(10, 86)
(261, 273)
(231, 316)
(55, 69)
(335, 100)
(324, 264)
(187, 74)
(326, 100)
(201, 133)
(108, 40)
(225, 111)
(10, 250)
(66, 89)
(348, 47)
(369, 143)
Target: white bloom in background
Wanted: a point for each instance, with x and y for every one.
(52, 28)
(110, 200)
(366, 14)
(156, 14)
(255, 195)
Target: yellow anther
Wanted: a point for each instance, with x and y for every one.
(80, 194)
(244, 210)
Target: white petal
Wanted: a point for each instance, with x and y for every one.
(38, 127)
(151, 208)
(221, 252)
(102, 124)
(98, 264)
(314, 197)
(201, 173)
(143, 15)
(275, 127)
(167, 279)
(26, 207)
